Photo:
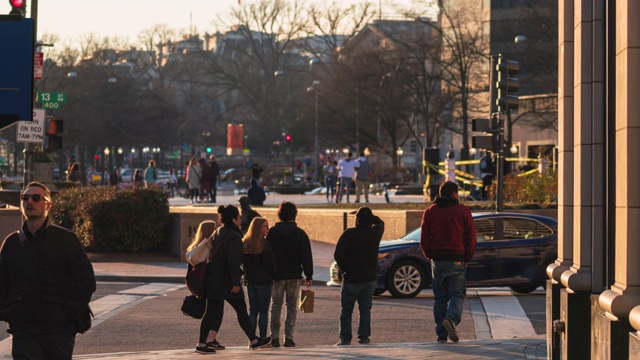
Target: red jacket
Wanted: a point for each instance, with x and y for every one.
(448, 233)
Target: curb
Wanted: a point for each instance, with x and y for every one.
(162, 279)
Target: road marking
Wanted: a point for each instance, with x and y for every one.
(506, 317)
(111, 305)
(480, 321)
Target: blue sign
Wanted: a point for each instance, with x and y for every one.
(17, 41)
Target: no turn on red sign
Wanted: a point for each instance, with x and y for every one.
(32, 131)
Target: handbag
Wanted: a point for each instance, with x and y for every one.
(200, 253)
(194, 306)
(307, 298)
(196, 277)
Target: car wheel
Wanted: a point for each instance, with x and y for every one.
(378, 292)
(406, 279)
(524, 289)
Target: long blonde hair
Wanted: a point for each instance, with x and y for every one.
(205, 230)
(254, 242)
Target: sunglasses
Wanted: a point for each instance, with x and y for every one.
(34, 197)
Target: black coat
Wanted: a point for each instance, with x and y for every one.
(224, 270)
(292, 249)
(357, 252)
(259, 269)
(46, 280)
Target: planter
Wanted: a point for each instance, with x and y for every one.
(43, 172)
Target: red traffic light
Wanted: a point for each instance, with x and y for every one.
(16, 3)
(96, 157)
(18, 7)
(288, 138)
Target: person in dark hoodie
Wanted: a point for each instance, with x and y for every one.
(448, 239)
(292, 251)
(357, 256)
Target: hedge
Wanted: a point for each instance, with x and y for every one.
(110, 220)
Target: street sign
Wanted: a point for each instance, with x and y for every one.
(51, 100)
(32, 131)
(38, 65)
(16, 69)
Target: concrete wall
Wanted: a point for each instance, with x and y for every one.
(10, 221)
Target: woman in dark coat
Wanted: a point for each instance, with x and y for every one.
(223, 282)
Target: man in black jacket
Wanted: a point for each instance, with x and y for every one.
(46, 282)
(292, 251)
(357, 256)
(215, 173)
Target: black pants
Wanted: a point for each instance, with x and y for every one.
(212, 318)
(486, 184)
(214, 189)
(50, 346)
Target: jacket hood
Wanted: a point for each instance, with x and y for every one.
(445, 202)
(285, 228)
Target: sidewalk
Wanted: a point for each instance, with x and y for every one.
(464, 350)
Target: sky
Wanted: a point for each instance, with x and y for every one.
(73, 18)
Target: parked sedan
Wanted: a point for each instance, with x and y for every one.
(512, 250)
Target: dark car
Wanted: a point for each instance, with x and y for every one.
(512, 250)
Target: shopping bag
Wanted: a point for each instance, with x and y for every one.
(194, 306)
(200, 253)
(307, 298)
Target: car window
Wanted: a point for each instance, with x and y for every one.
(412, 236)
(484, 229)
(519, 228)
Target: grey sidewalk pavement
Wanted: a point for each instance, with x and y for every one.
(464, 350)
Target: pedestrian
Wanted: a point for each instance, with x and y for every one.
(74, 173)
(486, 173)
(357, 256)
(362, 177)
(347, 168)
(205, 180)
(138, 179)
(91, 177)
(203, 233)
(150, 174)
(173, 182)
(448, 239)
(114, 177)
(255, 172)
(330, 174)
(46, 282)
(292, 251)
(248, 214)
(259, 267)
(256, 193)
(193, 179)
(224, 281)
(215, 174)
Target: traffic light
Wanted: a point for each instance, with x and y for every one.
(209, 149)
(489, 138)
(18, 7)
(506, 84)
(288, 138)
(53, 140)
(96, 157)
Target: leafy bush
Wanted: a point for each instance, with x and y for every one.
(536, 188)
(107, 219)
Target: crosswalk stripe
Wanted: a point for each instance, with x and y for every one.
(506, 317)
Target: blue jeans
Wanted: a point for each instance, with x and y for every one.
(259, 301)
(330, 182)
(449, 291)
(344, 182)
(292, 290)
(350, 293)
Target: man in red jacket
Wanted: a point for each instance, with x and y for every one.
(448, 239)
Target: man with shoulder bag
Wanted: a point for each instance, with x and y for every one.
(46, 282)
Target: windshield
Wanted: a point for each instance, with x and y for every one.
(412, 236)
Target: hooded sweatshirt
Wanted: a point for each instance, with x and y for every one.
(448, 233)
(292, 251)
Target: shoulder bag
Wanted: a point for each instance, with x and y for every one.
(200, 253)
(196, 278)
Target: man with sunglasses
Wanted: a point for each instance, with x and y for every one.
(46, 282)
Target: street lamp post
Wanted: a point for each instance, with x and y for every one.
(315, 140)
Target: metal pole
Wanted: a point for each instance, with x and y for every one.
(357, 121)
(500, 174)
(315, 145)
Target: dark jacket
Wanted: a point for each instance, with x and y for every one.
(215, 170)
(357, 251)
(46, 279)
(247, 216)
(292, 250)
(256, 193)
(224, 270)
(448, 233)
(259, 269)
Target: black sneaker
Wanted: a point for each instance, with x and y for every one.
(215, 345)
(261, 343)
(275, 342)
(451, 330)
(442, 339)
(288, 343)
(205, 350)
(364, 341)
(343, 342)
